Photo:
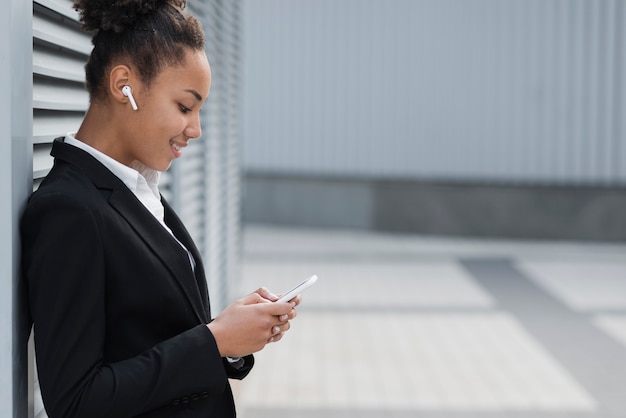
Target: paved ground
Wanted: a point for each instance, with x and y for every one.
(407, 326)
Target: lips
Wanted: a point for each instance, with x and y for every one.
(177, 148)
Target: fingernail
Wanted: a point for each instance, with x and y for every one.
(284, 317)
(276, 329)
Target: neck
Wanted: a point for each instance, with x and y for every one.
(98, 130)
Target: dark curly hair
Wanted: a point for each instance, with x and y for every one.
(152, 34)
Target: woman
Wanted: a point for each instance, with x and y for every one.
(117, 292)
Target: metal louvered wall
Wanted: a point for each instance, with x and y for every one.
(206, 183)
(203, 186)
(514, 92)
(60, 50)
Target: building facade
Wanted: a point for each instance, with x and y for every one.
(466, 117)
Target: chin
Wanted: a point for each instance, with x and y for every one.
(164, 167)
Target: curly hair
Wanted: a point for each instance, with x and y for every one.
(152, 34)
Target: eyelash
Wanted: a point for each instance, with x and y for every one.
(184, 109)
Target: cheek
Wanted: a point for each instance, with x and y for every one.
(167, 123)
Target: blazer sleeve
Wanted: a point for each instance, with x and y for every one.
(64, 268)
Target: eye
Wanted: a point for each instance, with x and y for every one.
(183, 108)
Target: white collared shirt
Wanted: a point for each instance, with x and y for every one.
(141, 180)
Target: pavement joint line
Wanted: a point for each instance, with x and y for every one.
(596, 360)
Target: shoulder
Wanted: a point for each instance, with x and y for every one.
(64, 183)
(67, 193)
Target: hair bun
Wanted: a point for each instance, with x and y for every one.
(117, 15)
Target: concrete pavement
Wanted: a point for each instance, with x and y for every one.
(408, 326)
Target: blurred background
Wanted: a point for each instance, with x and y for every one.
(475, 118)
(454, 171)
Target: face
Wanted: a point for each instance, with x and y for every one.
(168, 114)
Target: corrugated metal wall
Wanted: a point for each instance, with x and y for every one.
(517, 91)
(215, 172)
(204, 185)
(60, 50)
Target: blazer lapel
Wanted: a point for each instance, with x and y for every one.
(175, 224)
(162, 243)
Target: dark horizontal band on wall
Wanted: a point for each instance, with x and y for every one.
(439, 207)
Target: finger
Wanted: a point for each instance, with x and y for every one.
(289, 316)
(276, 338)
(266, 294)
(276, 308)
(274, 332)
(296, 301)
(280, 329)
(252, 298)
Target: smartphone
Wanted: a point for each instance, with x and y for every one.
(299, 288)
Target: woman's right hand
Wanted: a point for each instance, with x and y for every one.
(248, 324)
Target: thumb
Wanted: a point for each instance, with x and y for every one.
(266, 294)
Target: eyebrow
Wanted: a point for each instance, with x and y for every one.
(195, 94)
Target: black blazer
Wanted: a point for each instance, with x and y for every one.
(119, 315)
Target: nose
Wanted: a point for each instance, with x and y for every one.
(193, 130)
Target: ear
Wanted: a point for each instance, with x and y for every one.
(120, 76)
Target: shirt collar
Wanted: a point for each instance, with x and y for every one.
(130, 176)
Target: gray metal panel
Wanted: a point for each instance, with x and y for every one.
(233, 58)
(15, 184)
(205, 181)
(481, 90)
(51, 124)
(60, 50)
(221, 141)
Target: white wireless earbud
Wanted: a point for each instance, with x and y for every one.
(128, 92)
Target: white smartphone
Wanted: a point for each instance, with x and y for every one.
(299, 288)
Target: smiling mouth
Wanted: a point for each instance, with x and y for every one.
(175, 146)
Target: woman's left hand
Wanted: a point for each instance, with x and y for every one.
(284, 325)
